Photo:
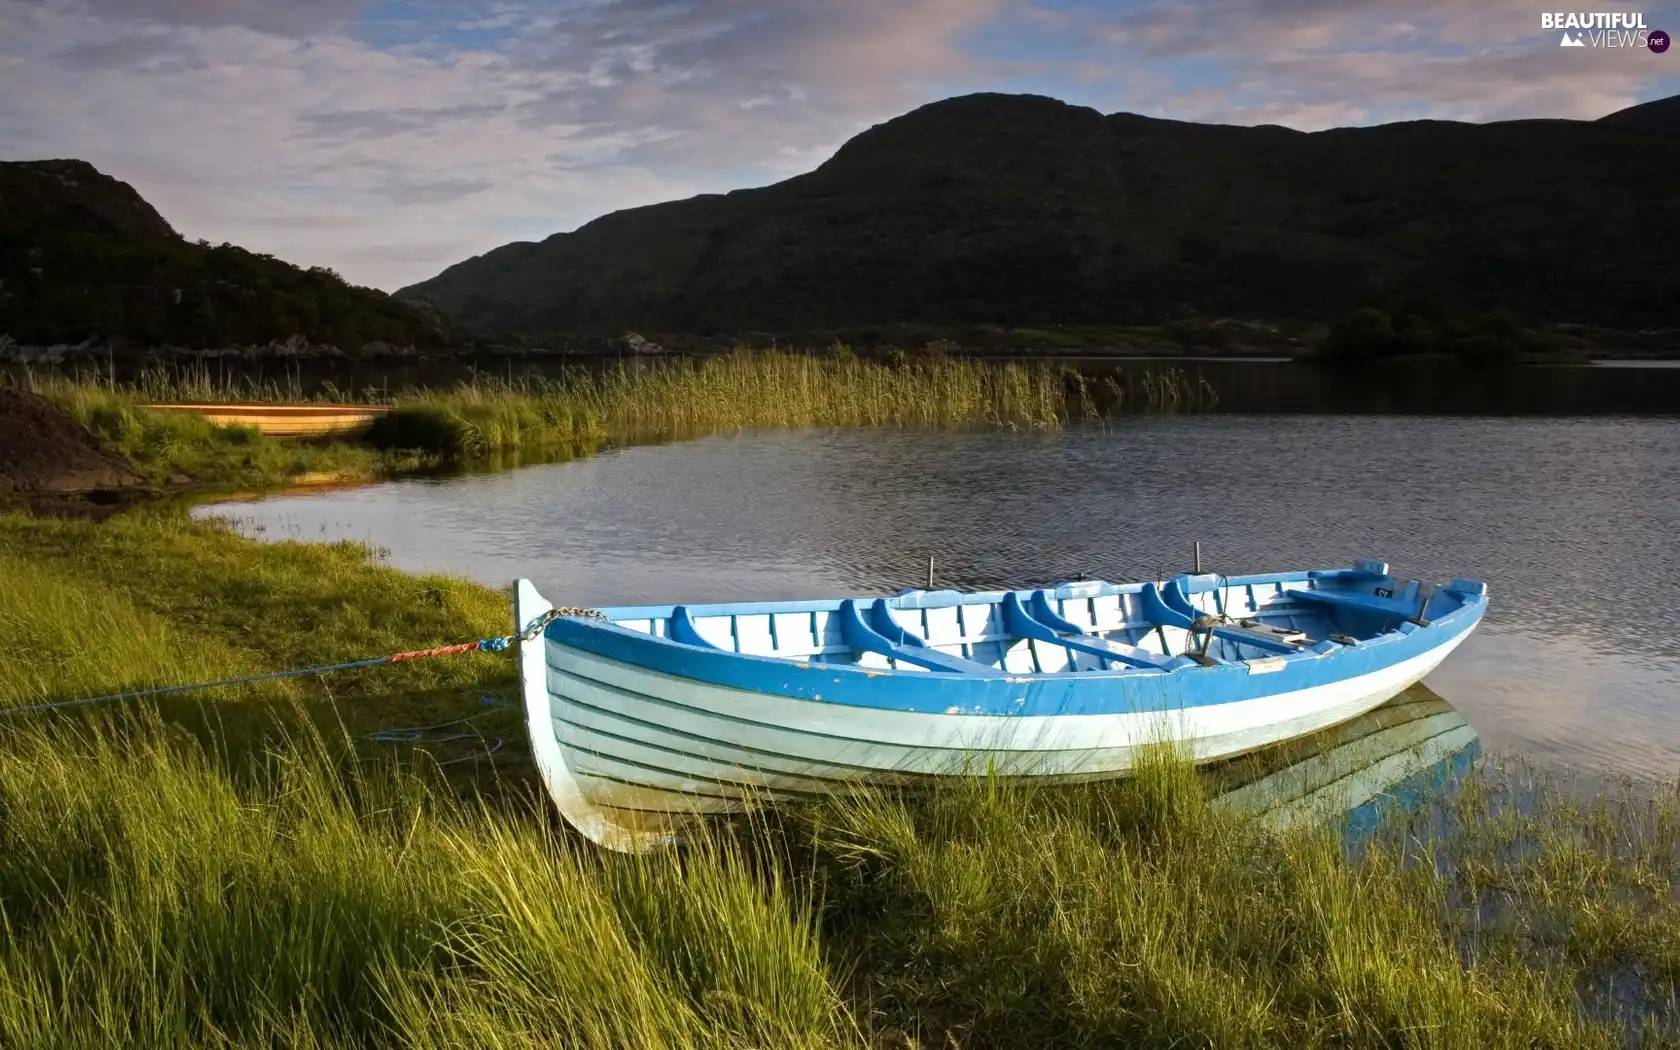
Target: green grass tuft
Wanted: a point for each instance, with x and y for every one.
(427, 428)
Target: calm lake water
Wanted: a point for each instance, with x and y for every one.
(1575, 524)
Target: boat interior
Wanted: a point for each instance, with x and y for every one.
(1079, 627)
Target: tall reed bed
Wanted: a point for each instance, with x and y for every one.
(734, 391)
(758, 389)
(205, 381)
(782, 390)
(630, 401)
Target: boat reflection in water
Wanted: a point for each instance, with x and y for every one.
(1394, 759)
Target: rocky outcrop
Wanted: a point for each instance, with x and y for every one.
(43, 452)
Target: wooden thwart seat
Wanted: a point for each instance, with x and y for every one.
(1042, 624)
(878, 632)
(1260, 637)
(1352, 601)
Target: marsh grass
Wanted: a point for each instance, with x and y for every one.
(153, 897)
(577, 411)
(252, 871)
(743, 390)
(1131, 914)
(1543, 864)
(152, 900)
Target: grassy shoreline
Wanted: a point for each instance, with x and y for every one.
(264, 866)
(580, 411)
(248, 869)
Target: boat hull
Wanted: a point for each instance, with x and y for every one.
(282, 420)
(632, 753)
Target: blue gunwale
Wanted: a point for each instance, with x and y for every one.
(1181, 685)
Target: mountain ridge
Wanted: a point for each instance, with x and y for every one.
(85, 258)
(1014, 209)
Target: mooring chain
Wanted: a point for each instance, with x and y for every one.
(535, 627)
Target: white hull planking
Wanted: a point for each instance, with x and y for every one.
(693, 748)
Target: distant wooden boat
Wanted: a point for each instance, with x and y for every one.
(646, 717)
(284, 420)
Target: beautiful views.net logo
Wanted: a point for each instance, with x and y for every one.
(1605, 29)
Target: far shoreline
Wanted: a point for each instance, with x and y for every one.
(1182, 340)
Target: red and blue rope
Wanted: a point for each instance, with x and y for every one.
(483, 645)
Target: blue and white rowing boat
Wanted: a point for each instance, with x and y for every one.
(642, 718)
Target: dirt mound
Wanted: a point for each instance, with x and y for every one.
(44, 452)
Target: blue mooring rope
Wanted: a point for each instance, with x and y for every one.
(351, 665)
(484, 645)
(417, 735)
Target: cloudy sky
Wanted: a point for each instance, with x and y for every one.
(389, 139)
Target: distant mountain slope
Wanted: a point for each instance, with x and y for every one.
(83, 256)
(1659, 117)
(1020, 209)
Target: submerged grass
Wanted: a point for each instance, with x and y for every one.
(629, 402)
(1132, 915)
(164, 882)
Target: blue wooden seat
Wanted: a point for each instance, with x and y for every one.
(1258, 637)
(1041, 623)
(1346, 600)
(1126, 654)
(878, 632)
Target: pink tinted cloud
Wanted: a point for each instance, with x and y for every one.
(272, 125)
(290, 136)
(1317, 63)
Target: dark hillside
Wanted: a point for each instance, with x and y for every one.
(1016, 209)
(82, 257)
(1661, 117)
